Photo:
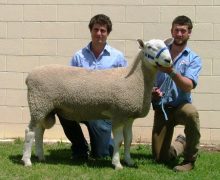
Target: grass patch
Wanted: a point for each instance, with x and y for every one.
(59, 166)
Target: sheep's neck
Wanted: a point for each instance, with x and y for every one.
(149, 73)
(142, 71)
(143, 75)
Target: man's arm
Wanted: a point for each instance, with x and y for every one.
(184, 83)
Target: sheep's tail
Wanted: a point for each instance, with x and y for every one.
(136, 62)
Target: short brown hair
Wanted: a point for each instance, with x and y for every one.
(102, 20)
(183, 20)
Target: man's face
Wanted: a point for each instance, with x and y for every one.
(181, 34)
(99, 34)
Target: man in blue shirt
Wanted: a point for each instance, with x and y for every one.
(172, 101)
(96, 55)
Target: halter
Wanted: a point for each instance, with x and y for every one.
(157, 55)
(166, 83)
(160, 52)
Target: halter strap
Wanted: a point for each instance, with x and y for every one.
(148, 56)
(159, 53)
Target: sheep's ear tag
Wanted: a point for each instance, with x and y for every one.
(141, 43)
(168, 41)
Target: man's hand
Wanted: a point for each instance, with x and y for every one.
(156, 93)
(167, 70)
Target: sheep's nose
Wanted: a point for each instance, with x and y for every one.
(167, 60)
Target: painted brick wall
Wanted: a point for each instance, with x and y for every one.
(39, 32)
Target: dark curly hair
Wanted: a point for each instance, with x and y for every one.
(102, 20)
(183, 20)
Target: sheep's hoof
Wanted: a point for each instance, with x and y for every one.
(41, 159)
(26, 163)
(118, 167)
(130, 163)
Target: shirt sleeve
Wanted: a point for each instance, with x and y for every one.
(75, 61)
(194, 69)
(122, 62)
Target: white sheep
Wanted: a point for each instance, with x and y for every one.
(119, 94)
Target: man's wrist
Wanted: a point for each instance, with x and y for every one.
(173, 73)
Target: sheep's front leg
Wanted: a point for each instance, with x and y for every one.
(29, 138)
(117, 130)
(39, 152)
(127, 131)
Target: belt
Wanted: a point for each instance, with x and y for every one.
(169, 107)
(166, 107)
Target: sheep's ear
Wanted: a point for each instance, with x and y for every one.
(141, 43)
(168, 41)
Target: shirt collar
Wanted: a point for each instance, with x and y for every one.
(185, 50)
(107, 48)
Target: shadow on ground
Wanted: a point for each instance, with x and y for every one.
(62, 156)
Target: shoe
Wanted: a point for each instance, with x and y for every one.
(80, 157)
(184, 166)
(178, 146)
(180, 138)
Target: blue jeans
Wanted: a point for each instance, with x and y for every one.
(100, 137)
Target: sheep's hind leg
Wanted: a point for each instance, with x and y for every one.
(29, 138)
(117, 130)
(127, 131)
(39, 152)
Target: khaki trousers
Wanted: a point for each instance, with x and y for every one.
(162, 133)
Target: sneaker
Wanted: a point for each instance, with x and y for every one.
(184, 166)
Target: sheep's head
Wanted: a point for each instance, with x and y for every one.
(156, 51)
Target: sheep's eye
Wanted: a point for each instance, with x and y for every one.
(152, 48)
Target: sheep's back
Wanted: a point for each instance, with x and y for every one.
(85, 94)
(73, 87)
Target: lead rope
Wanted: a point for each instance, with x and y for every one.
(167, 82)
(167, 89)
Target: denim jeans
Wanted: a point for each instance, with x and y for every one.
(100, 137)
